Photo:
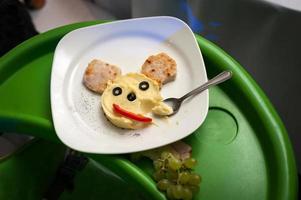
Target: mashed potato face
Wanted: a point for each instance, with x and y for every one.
(129, 99)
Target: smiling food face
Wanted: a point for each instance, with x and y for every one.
(128, 99)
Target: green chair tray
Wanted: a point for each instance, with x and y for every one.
(28, 172)
(243, 150)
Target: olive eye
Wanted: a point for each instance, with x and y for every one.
(131, 96)
(117, 91)
(143, 85)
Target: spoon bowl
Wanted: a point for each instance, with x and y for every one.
(175, 103)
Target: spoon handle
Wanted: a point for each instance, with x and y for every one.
(225, 75)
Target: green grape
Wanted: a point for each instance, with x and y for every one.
(165, 155)
(163, 184)
(186, 194)
(169, 192)
(159, 175)
(158, 164)
(194, 179)
(177, 191)
(174, 164)
(193, 189)
(190, 163)
(172, 175)
(184, 177)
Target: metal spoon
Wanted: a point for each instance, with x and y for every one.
(175, 103)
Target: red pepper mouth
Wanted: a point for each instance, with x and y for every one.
(131, 115)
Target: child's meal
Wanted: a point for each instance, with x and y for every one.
(128, 100)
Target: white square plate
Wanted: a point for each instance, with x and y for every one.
(77, 115)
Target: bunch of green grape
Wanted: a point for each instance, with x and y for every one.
(175, 177)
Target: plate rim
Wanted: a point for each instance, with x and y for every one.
(102, 150)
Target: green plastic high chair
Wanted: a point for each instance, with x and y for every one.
(242, 148)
